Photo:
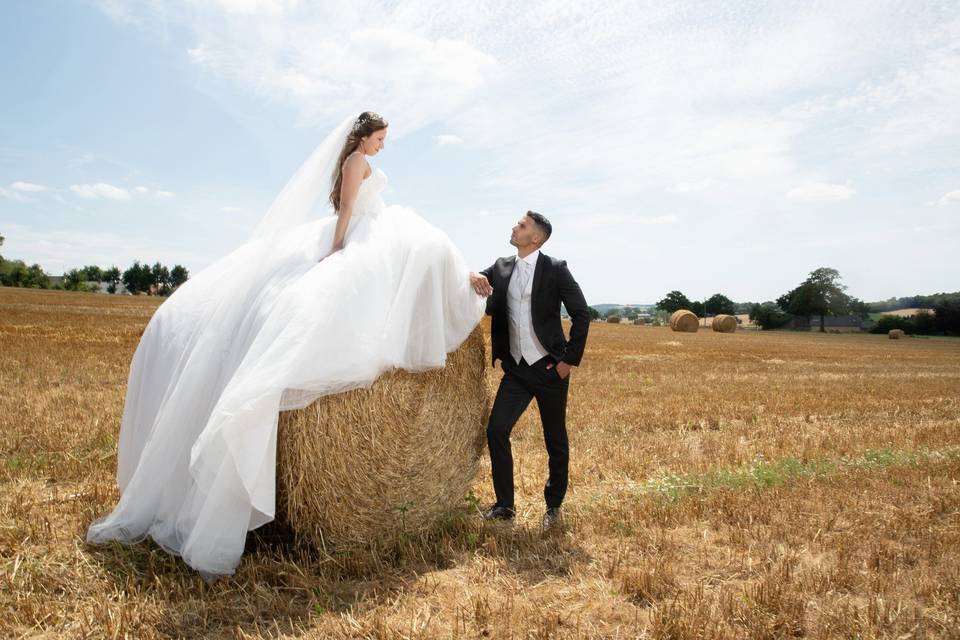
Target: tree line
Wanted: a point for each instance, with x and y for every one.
(157, 279)
(820, 295)
(915, 302)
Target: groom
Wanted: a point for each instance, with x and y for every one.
(524, 295)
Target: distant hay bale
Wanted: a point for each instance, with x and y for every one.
(684, 320)
(896, 334)
(724, 323)
(360, 468)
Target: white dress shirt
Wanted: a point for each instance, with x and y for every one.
(523, 339)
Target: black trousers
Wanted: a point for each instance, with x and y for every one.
(519, 385)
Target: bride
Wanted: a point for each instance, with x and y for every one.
(308, 306)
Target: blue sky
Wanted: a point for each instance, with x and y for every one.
(701, 146)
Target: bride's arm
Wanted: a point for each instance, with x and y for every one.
(353, 171)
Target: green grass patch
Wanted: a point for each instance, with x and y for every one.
(765, 474)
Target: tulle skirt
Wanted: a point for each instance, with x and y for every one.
(268, 328)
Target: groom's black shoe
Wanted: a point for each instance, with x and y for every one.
(496, 512)
(551, 519)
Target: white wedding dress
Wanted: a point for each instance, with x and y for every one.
(267, 328)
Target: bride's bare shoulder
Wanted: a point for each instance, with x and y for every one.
(356, 163)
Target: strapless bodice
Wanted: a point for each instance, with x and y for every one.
(369, 198)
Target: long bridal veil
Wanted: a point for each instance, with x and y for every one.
(267, 328)
(311, 181)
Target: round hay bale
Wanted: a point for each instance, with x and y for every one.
(358, 469)
(684, 320)
(896, 334)
(724, 323)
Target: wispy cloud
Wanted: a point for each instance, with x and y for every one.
(445, 139)
(821, 191)
(600, 107)
(951, 197)
(112, 192)
(100, 190)
(621, 219)
(29, 187)
(60, 250)
(10, 194)
(692, 187)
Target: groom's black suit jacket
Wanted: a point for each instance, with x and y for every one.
(552, 284)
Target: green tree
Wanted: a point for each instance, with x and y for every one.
(594, 314)
(768, 315)
(859, 308)
(886, 323)
(161, 278)
(112, 275)
(137, 278)
(697, 307)
(947, 317)
(719, 303)
(93, 272)
(821, 294)
(178, 275)
(925, 323)
(674, 301)
(16, 273)
(75, 280)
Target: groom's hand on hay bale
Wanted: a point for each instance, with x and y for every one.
(480, 284)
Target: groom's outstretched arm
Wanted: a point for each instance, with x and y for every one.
(576, 305)
(483, 287)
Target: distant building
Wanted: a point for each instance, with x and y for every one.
(104, 287)
(847, 323)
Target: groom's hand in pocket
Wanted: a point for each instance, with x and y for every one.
(563, 369)
(480, 284)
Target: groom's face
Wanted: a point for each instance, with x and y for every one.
(525, 233)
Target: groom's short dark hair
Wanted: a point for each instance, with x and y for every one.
(541, 221)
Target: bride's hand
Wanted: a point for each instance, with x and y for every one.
(336, 247)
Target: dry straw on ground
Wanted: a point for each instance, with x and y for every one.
(896, 334)
(724, 324)
(751, 485)
(685, 321)
(358, 469)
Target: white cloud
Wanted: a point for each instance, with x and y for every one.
(951, 197)
(599, 107)
(159, 193)
(448, 138)
(821, 191)
(692, 187)
(100, 190)
(13, 195)
(323, 63)
(230, 209)
(622, 219)
(60, 250)
(28, 187)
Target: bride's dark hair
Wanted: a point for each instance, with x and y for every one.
(367, 124)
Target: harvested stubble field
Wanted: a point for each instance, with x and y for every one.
(722, 486)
